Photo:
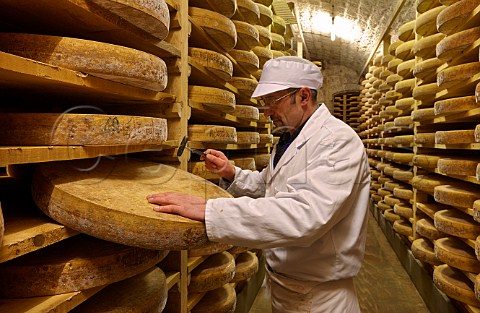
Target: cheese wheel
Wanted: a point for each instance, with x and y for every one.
(425, 47)
(216, 98)
(265, 36)
(455, 137)
(425, 139)
(455, 105)
(425, 227)
(246, 265)
(247, 112)
(80, 129)
(217, 270)
(455, 44)
(214, 62)
(225, 7)
(427, 183)
(458, 166)
(245, 163)
(247, 11)
(453, 17)
(220, 300)
(263, 54)
(423, 115)
(425, 5)
(405, 69)
(146, 292)
(403, 158)
(457, 75)
(68, 193)
(212, 133)
(266, 15)
(278, 25)
(217, 26)
(403, 228)
(390, 200)
(383, 192)
(393, 79)
(247, 137)
(405, 50)
(404, 140)
(79, 263)
(209, 249)
(427, 70)
(261, 161)
(404, 103)
(393, 46)
(117, 63)
(149, 15)
(403, 193)
(393, 64)
(247, 35)
(386, 59)
(423, 250)
(456, 223)
(457, 254)
(425, 23)
(393, 95)
(457, 194)
(477, 133)
(405, 31)
(266, 138)
(454, 284)
(247, 62)
(236, 250)
(405, 86)
(391, 216)
(426, 92)
(404, 211)
(278, 42)
(244, 85)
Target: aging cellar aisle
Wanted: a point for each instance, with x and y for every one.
(383, 285)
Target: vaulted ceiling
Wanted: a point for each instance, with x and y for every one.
(366, 22)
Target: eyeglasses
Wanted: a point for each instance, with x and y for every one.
(273, 103)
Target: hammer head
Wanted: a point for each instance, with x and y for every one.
(182, 146)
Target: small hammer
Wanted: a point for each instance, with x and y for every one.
(183, 145)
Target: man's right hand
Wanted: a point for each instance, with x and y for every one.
(218, 163)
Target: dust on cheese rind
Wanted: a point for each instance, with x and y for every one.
(425, 46)
(220, 28)
(458, 166)
(246, 265)
(458, 74)
(247, 60)
(80, 129)
(213, 61)
(266, 15)
(212, 133)
(405, 50)
(220, 300)
(246, 112)
(456, 223)
(425, 23)
(248, 137)
(455, 105)
(454, 16)
(146, 292)
(455, 44)
(225, 7)
(422, 249)
(405, 31)
(425, 227)
(454, 252)
(244, 85)
(458, 195)
(247, 11)
(247, 35)
(148, 15)
(265, 36)
(216, 271)
(263, 54)
(76, 264)
(215, 97)
(108, 61)
(121, 214)
(454, 284)
(453, 137)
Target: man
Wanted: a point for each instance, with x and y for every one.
(307, 210)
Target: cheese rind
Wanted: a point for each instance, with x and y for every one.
(248, 35)
(220, 99)
(217, 270)
(458, 166)
(212, 133)
(423, 250)
(220, 300)
(454, 252)
(456, 223)
(425, 227)
(108, 61)
(455, 105)
(225, 7)
(455, 15)
(246, 265)
(454, 284)
(455, 44)
(215, 62)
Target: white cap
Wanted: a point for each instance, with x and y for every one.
(288, 72)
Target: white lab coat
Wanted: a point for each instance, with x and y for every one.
(309, 212)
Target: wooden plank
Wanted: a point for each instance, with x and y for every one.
(173, 278)
(193, 262)
(35, 154)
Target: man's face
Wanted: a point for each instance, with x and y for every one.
(283, 109)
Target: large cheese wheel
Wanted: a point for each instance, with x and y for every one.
(247, 137)
(247, 112)
(427, 183)
(423, 115)
(68, 193)
(455, 44)
(455, 105)
(457, 194)
(456, 253)
(112, 62)
(426, 161)
(423, 250)
(217, 270)
(265, 36)
(146, 292)
(426, 92)
(405, 86)
(427, 70)
(402, 158)
(151, 16)
(405, 31)
(220, 300)
(404, 103)
(403, 228)
(278, 25)
(393, 79)
(425, 139)
(216, 98)
(403, 193)
(209, 249)
(477, 133)
(454, 284)
(403, 210)
(79, 263)
(405, 50)
(247, 35)
(247, 62)
(263, 54)
(266, 15)
(458, 166)
(391, 216)
(455, 137)
(236, 250)
(393, 64)
(212, 133)
(217, 26)
(244, 85)
(225, 7)
(80, 129)
(247, 163)
(405, 69)
(425, 46)
(425, 5)
(390, 200)
(456, 223)
(266, 138)
(454, 16)
(453, 76)
(214, 62)
(404, 140)
(262, 161)
(278, 42)
(247, 11)
(425, 24)
(403, 121)
(246, 265)
(425, 227)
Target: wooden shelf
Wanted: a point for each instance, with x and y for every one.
(35, 154)
(467, 116)
(173, 278)
(229, 146)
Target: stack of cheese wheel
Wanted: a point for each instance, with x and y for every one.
(346, 107)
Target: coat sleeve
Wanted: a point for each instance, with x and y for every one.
(246, 183)
(313, 202)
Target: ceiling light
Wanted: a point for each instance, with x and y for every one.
(332, 29)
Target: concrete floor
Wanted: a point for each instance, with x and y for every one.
(382, 285)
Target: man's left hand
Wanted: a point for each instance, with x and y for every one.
(186, 205)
